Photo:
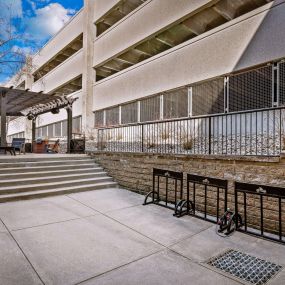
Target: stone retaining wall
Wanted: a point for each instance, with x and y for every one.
(134, 171)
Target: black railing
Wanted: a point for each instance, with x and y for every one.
(256, 133)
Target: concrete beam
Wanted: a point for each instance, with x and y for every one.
(140, 49)
(112, 66)
(194, 26)
(164, 41)
(130, 57)
(226, 12)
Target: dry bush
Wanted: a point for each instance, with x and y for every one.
(187, 143)
(119, 137)
(164, 134)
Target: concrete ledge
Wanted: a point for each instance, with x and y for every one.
(187, 157)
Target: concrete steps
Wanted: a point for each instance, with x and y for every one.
(25, 178)
(32, 174)
(55, 178)
(21, 164)
(54, 167)
(57, 191)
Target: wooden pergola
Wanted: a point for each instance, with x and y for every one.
(16, 102)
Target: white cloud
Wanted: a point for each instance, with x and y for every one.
(48, 20)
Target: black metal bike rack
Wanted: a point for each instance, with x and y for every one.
(207, 198)
(276, 194)
(163, 196)
(220, 186)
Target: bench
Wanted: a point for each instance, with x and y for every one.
(10, 149)
(19, 144)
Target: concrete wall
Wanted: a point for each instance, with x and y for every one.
(67, 34)
(65, 72)
(101, 7)
(146, 20)
(252, 39)
(134, 172)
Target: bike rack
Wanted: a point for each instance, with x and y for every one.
(217, 185)
(260, 191)
(157, 196)
(205, 195)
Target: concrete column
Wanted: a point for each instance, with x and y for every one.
(88, 76)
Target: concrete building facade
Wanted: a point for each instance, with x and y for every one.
(134, 61)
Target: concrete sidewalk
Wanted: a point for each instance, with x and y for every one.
(107, 237)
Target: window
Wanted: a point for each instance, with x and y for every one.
(99, 118)
(112, 116)
(76, 125)
(251, 90)
(175, 104)
(129, 113)
(57, 129)
(64, 128)
(208, 97)
(50, 130)
(38, 132)
(282, 84)
(150, 109)
(44, 131)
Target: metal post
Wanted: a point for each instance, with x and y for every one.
(142, 137)
(3, 118)
(33, 134)
(210, 135)
(69, 127)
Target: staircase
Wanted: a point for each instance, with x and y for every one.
(24, 177)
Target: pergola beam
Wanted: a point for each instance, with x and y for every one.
(15, 102)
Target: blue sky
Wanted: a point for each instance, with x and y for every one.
(33, 23)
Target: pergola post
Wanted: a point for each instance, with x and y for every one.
(3, 118)
(69, 127)
(33, 133)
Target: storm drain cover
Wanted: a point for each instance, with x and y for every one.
(246, 267)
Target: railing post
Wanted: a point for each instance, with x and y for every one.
(98, 143)
(142, 137)
(210, 135)
(281, 130)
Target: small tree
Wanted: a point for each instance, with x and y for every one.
(13, 55)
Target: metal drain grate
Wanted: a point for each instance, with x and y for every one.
(246, 267)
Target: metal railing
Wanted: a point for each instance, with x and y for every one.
(255, 133)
